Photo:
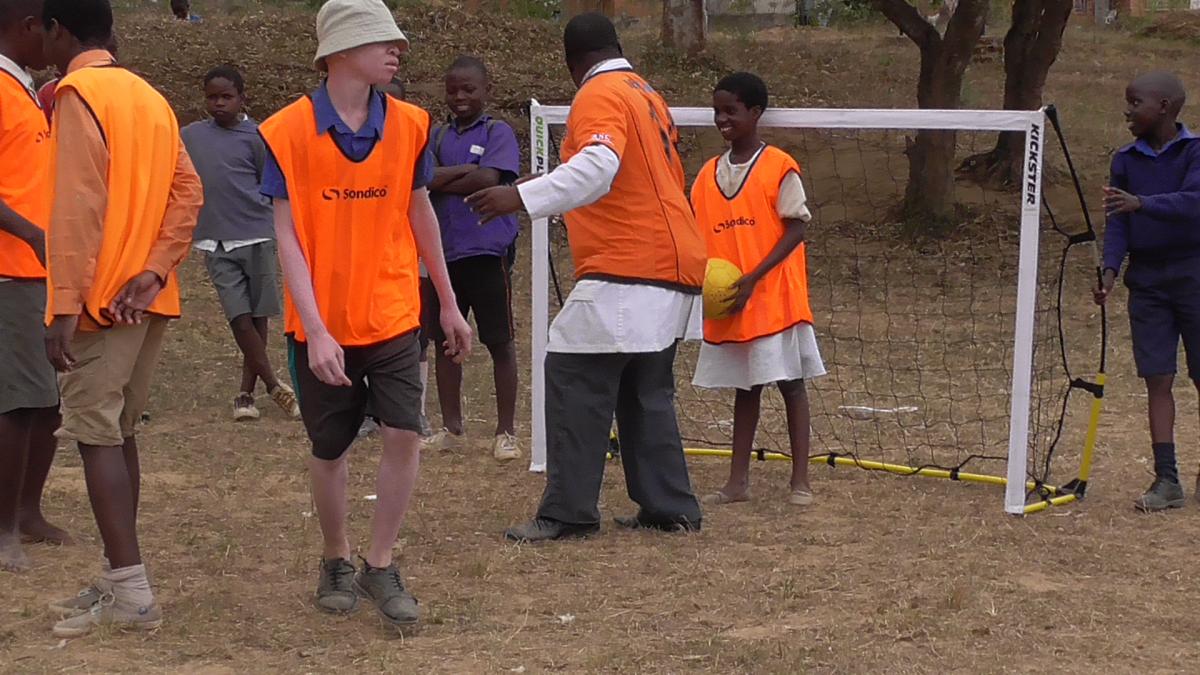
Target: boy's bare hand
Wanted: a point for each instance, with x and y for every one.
(130, 304)
(491, 203)
(1100, 293)
(327, 360)
(1117, 201)
(458, 334)
(58, 342)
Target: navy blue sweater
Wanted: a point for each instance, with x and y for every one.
(1167, 227)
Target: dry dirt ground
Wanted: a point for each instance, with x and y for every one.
(883, 574)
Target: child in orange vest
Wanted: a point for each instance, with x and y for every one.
(28, 388)
(126, 199)
(348, 173)
(750, 204)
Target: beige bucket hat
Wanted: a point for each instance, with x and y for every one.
(346, 24)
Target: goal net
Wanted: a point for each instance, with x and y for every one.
(950, 354)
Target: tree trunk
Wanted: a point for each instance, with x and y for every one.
(929, 197)
(1030, 48)
(685, 25)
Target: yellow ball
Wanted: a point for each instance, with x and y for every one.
(719, 277)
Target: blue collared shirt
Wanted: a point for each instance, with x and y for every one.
(355, 144)
(1140, 145)
(1167, 181)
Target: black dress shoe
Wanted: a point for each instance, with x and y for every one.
(642, 523)
(544, 529)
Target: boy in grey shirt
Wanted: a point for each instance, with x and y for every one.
(237, 232)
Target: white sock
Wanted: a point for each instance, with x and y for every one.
(424, 384)
(105, 566)
(131, 586)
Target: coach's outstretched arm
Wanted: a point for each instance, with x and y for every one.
(580, 181)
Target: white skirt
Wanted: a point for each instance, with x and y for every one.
(790, 355)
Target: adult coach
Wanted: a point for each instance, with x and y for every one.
(639, 261)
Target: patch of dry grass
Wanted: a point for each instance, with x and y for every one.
(881, 575)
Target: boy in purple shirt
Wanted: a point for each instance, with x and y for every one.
(1153, 208)
(473, 152)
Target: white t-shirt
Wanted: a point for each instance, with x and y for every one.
(792, 203)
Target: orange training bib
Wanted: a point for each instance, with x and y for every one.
(26, 180)
(142, 136)
(643, 230)
(743, 228)
(352, 222)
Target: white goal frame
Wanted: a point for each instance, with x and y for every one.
(1031, 123)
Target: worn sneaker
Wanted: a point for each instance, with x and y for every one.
(1162, 495)
(107, 612)
(244, 408)
(285, 398)
(335, 590)
(385, 587)
(442, 440)
(80, 603)
(506, 448)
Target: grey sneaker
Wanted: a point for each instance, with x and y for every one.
(385, 587)
(369, 426)
(1162, 495)
(80, 603)
(335, 590)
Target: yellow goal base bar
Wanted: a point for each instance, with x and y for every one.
(1051, 495)
(1060, 496)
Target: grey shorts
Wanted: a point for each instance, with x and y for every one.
(245, 279)
(27, 380)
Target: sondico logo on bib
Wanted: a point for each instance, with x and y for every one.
(740, 221)
(350, 194)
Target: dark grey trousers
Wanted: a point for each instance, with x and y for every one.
(582, 393)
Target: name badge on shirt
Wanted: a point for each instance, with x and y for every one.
(477, 150)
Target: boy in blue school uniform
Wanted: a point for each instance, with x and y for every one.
(1153, 209)
(474, 151)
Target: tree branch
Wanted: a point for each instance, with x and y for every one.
(910, 22)
(963, 33)
(1053, 23)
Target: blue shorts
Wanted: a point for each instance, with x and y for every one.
(1164, 306)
